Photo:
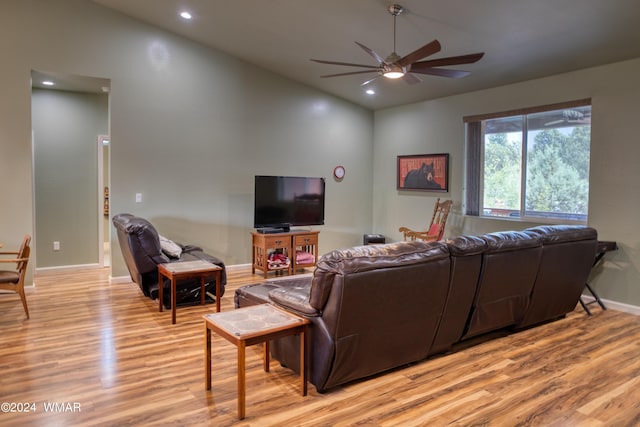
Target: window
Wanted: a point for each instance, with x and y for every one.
(531, 164)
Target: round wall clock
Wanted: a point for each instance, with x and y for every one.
(338, 172)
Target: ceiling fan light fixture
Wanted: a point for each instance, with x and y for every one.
(392, 71)
(393, 74)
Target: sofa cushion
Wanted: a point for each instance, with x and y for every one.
(295, 298)
(562, 233)
(366, 258)
(502, 241)
(254, 294)
(170, 247)
(466, 245)
(258, 293)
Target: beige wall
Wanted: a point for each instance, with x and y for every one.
(614, 201)
(190, 127)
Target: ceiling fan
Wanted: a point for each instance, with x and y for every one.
(570, 116)
(394, 66)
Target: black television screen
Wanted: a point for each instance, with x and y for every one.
(282, 201)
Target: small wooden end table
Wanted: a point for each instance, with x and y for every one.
(175, 271)
(253, 325)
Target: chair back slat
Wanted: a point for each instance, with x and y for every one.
(21, 261)
(436, 226)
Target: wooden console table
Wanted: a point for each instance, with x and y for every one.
(175, 271)
(288, 243)
(251, 325)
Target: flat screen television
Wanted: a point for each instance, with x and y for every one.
(284, 201)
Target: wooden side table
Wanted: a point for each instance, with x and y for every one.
(261, 244)
(175, 271)
(288, 243)
(253, 325)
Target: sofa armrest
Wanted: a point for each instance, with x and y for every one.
(294, 299)
(190, 248)
(160, 259)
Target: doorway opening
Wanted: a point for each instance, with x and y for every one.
(104, 203)
(71, 128)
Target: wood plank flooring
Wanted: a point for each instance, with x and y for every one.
(110, 358)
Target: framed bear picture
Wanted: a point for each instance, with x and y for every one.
(424, 172)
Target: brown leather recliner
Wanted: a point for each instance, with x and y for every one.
(140, 244)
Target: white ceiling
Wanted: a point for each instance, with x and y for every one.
(522, 39)
(69, 82)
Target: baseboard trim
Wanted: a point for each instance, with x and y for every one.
(68, 267)
(236, 267)
(127, 279)
(613, 305)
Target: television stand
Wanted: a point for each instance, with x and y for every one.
(290, 243)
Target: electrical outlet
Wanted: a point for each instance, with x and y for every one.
(138, 197)
(56, 246)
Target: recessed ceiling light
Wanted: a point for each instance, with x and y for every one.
(370, 92)
(186, 15)
(48, 83)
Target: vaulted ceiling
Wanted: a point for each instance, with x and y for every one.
(522, 39)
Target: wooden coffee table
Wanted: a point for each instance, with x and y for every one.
(253, 325)
(175, 271)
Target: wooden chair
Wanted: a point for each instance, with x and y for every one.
(13, 280)
(436, 228)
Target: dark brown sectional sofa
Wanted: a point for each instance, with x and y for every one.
(374, 308)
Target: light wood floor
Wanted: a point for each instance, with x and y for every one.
(104, 348)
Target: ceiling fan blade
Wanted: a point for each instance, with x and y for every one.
(442, 72)
(348, 64)
(426, 50)
(452, 60)
(570, 121)
(350, 73)
(411, 79)
(370, 80)
(372, 53)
